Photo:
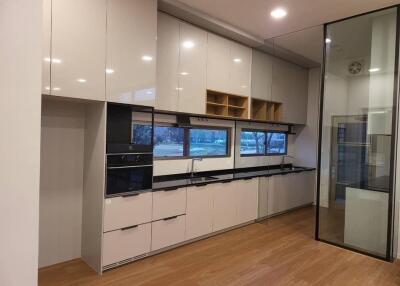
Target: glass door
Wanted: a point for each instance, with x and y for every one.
(355, 189)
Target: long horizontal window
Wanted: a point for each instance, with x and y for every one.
(262, 143)
(187, 142)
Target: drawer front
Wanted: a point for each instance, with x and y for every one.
(122, 212)
(169, 203)
(167, 232)
(119, 245)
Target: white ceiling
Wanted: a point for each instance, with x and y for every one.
(253, 16)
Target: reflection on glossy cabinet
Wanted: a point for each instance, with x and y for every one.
(46, 47)
(225, 205)
(247, 200)
(263, 191)
(131, 51)
(199, 211)
(239, 80)
(78, 48)
(261, 75)
(167, 62)
(290, 87)
(192, 69)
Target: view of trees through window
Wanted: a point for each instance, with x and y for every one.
(208, 142)
(168, 141)
(258, 142)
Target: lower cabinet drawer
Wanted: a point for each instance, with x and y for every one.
(126, 243)
(169, 203)
(168, 232)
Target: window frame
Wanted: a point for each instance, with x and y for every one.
(186, 142)
(266, 146)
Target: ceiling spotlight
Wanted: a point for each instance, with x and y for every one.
(237, 60)
(278, 13)
(147, 58)
(188, 44)
(109, 71)
(328, 40)
(374, 69)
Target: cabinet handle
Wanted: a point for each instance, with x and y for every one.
(129, 227)
(172, 217)
(130, 195)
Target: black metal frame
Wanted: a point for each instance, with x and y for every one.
(265, 143)
(392, 179)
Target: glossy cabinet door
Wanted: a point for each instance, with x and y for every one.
(131, 51)
(218, 63)
(225, 205)
(290, 87)
(247, 200)
(167, 62)
(261, 75)
(46, 47)
(192, 69)
(78, 48)
(240, 71)
(263, 192)
(199, 211)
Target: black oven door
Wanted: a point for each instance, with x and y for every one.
(126, 180)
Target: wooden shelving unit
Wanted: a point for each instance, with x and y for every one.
(266, 110)
(227, 105)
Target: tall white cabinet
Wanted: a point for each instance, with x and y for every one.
(181, 67)
(78, 36)
(131, 51)
(261, 75)
(228, 66)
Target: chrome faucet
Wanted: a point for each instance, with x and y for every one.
(192, 169)
(283, 160)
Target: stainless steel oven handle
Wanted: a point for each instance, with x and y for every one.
(129, 167)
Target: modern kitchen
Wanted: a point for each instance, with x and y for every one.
(183, 142)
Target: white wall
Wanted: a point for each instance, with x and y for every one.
(61, 181)
(20, 86)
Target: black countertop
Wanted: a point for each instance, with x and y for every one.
(170, 182)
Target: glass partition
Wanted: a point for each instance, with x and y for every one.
(356, 168)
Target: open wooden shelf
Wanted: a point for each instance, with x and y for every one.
(227, 105)
(266, 110)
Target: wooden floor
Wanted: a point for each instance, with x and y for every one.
(280, 251)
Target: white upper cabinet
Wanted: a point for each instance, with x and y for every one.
(218, 63)
(192, 69)
(240, 72)
(290, 87)
(131, 51)
(228, 66)
(78, 48)
(261, 75)
(167, 62)
(46, 47)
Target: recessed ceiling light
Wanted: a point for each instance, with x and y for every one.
(184, 73)
(109, 71)
(147, 58)
(374, 69)
(278, 13)
(81, 80)
(237, 60)
(328, 40)
(188, 44)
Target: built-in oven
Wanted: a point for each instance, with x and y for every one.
(129, 163)
(129, 174)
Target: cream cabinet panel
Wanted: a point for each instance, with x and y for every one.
(218, 63)
(131, 51)
(46, 47)
(120, 212)
(273, 194)
(167, 232)
(126, 243)
(199, 211)
(239, 79)
(192, 69)
(290, 87)
(247, 200)
(167, 63)
(261, 75)
(78, 48)
(169, 203)
(263, 189)
(225, 205)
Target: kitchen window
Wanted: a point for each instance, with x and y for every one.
(263, 143)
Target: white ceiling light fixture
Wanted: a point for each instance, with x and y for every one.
(188, 44)
(147, 58)
(278, 13)
(374, 69)
(328, 40)
(81, 80)
(237, 60)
